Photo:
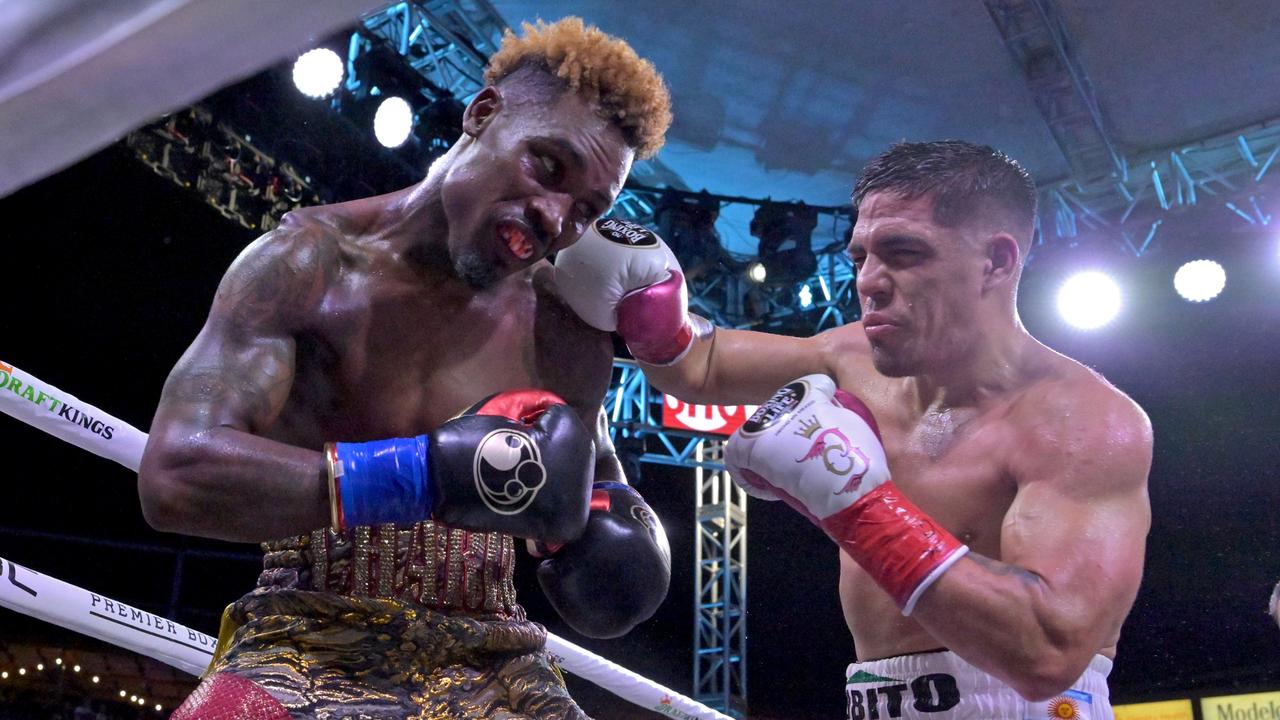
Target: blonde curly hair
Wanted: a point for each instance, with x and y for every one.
(603, 69)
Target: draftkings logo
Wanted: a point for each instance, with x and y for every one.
(33, 394)
(666, 708)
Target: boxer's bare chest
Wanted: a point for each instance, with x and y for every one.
(386, 357)
(953, 464)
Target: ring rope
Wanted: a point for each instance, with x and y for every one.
(65, 416)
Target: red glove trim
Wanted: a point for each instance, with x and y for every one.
(893, 540)
(523, 405)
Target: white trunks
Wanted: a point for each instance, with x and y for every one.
(939, 685)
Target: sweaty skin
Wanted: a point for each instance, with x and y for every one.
(1031, 459)
(385, 317)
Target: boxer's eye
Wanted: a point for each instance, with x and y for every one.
(549, 166)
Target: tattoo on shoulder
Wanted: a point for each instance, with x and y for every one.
(282, 280)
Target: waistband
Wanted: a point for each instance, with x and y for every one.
(946, 661)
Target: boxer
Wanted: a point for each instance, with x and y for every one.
(991, 576)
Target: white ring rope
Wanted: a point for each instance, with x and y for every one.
(48, 408)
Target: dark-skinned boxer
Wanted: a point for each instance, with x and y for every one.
(323, 403)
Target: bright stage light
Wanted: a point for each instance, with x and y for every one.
(1089, 300)
(1200, 280)
(393, 122)
(317, 72)
(806, 297)
(756, 271)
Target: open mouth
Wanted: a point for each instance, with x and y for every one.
(517, 240)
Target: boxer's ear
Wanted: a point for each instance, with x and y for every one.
(486, 104)
(1003, 258)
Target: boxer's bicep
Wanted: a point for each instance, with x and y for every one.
(239, 370)
(1080, 519)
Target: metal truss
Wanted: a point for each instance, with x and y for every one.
(447, 42)
(720, 564)
(1228, 170)
(1034, 34)
(241, 181)
(720, 590)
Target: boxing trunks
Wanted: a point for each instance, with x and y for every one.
(941, 686)
(383, 622)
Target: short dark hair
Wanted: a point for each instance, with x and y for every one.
(961, 177)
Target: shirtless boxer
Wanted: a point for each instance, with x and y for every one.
(320, 402)
(1001, 591)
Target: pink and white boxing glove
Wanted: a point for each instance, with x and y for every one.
(620, 276)
(818, 449)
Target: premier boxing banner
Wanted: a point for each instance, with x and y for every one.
(49, 599)
(65, 416)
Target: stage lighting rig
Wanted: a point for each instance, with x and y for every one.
(785, 233)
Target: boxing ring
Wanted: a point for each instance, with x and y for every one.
(30, 592)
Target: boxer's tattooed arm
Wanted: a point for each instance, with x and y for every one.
(240, 369)
(995, 567)
(211, 467)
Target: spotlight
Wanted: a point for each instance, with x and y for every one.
(4, 675)
(95, 679)
(40, 666)
(58, 662)
(806, 296)
(756, 271)
(317, 72)
(158, 708)
(1089, 300)
(132, 698)
(393, 122)
(76, 668)
(121, 693)
(1200, 280)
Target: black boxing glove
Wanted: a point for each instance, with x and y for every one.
(519, 462)
(617, 574)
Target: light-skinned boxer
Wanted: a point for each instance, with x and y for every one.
(991, 575)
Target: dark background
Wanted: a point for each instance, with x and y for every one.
(107, 272)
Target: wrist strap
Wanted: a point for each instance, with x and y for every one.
(334, 471)
(901, 548)
(382, 481)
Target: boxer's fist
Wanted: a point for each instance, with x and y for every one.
(621, 277)
(812, 445)
(519, 462)
(617, 574)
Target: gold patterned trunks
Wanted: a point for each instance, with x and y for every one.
(406, 621)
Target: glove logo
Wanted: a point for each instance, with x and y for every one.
(645, 517)
(508, 470)
(781, 404)
(626, 233)
(839, 455)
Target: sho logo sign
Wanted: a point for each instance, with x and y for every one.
(508, 470)
(718, 419)
(626, 233)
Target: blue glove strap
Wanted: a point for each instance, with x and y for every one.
(614, 485)
(385, 481)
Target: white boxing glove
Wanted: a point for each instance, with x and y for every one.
(818, 449)
(620, 276)
(812, 445)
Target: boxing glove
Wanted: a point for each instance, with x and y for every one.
(818, 449)
(622, 277)
(617, 574)
(520, 462)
